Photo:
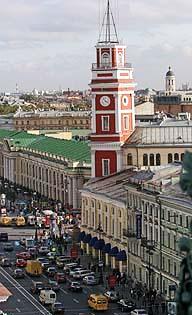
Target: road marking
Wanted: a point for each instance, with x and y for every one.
(75, 300)
(30, 298)
(18, 310)
(65, 292)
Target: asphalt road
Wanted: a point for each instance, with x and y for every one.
(23, 302)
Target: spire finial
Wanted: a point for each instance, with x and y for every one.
(108, 33)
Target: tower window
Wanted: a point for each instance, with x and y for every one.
(126, 122)
(129, 159)
(105, 123)
(176, 157)
(182, 156)
(105, 167)
(151, 158)
(170, 158)
(158, 159)
(145, 160)
(105, 59)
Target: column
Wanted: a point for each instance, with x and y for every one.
(107, 259)
(70, 190)
(75, 192)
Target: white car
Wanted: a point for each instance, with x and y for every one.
(139, 312)
(89, 280)
(43, 250)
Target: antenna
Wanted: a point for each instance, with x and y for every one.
(108, 33)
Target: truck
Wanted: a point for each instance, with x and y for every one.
(33, 268)
(47, 297)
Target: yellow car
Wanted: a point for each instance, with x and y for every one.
(98, 302)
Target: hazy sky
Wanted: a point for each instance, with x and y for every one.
(50, 43)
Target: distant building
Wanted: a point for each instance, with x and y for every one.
(52, 120)
(171, 100)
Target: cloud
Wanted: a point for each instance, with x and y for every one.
(48, 43)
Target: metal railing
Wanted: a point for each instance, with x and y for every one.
(104, 66)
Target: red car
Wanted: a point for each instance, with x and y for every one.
(60, 277)
(23, 255)
(21, 262)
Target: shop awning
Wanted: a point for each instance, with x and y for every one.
(99, 244)
(87, 238)
(81, 236)
(93, 241)
(106, 249)
(114, 251)
(121, 256)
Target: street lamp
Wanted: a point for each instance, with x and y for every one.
(35, 213)
(100, 263)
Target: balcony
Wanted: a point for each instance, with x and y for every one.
(108, 66)
(129, 233)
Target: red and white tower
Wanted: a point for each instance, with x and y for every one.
(112, 86)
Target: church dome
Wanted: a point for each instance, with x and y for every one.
(170, 73)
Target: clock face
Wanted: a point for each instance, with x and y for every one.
(105, 101)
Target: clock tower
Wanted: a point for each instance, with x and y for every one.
(112, 87)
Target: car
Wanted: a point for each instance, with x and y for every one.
(89, 280)
(75, 270)
(51, 271)
(54, 285)
(60, 277)
(18, 274)
(42, 260)
(32, 251)
(43, 250)
(8, 247)
(45, 265)
(68, 267)
(75, 286)
(5, 262)
(57, 308)
(22, 241)
(21, 262)
(23, 255)
(112, 296)
(126, 305)
(36, 287)
(139, 312)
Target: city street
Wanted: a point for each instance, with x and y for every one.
(23, 302)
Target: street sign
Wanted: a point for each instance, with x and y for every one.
(171, 308)
(100, 264)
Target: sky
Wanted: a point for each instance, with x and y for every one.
(49, 44)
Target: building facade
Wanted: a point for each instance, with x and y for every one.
(54, 168)
(54, 120)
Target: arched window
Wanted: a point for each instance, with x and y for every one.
(182, 156)
(145, 160)
(129, 159)
(176, 157)
(170, 158)
(158, 159)
(105, 59)
(151, 159)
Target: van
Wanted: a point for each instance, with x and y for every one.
(47, 297)
(20, 221)
(33, 268)
(79, 275)
(98, 302)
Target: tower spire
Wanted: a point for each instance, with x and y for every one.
(108, 33)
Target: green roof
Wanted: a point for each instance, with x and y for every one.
(69, 149)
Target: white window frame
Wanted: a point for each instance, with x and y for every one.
(103, 168)
(102, 120)
(124, 124)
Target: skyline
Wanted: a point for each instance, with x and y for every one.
(41, 48)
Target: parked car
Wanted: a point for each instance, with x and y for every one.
(5, 262)
(8, 247)
(139, 312)
(54, 285)
(112, 296)
(60, 277)
(57, 308)
(89, 280)
(36, 287)
(43, 250)
(75, 287)
(51, 271)
(18, 274)
(23, 255)
(21, 262)
(126, 305)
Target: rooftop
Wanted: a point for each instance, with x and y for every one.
(52, 113)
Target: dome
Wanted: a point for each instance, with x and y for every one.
(170, 73)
